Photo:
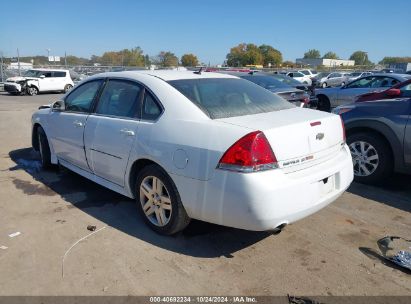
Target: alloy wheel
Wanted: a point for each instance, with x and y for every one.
(155, 201)
(365, 158)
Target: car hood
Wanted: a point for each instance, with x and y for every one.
(19, 78)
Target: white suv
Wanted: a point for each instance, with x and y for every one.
(39, 80)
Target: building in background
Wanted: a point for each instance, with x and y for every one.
(314, 62)
(23, 66)
(401, 67)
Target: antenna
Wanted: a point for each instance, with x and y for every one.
(199, 71)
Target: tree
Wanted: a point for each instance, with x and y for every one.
(288, 64)
(312, 54)
(392, 60)
(330, 55)
(189, 60)
(250, 54)
(270, 55)
(360, 58)
(166, 59)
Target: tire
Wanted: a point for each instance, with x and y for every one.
(32, 91)
(44, 149)
(323, 103)
(165, 214)
(375, 164)
(324, 85)
(67, 88)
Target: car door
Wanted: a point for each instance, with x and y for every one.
(350, 92)
(46, 81)
(66, 127)
(59, 80)
(111, 130)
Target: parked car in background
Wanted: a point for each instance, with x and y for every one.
(355, 75)
(389, 70)
(300, 77)
(309, 89)
(334, 79)
(400, 90)
(379, 136)
(309, 73)
(39, 80)
(332, 97)
(298, 97)
(207, 146)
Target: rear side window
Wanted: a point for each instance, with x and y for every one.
(59, 74)
(151, 110)
(225, 97)
(81, 98)
(119, 98)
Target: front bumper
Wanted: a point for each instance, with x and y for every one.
(12, 87)
(265, 200)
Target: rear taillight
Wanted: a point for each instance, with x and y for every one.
(343, 129)
(250, 153)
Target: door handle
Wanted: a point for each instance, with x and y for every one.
(78, 123)
(127, 132)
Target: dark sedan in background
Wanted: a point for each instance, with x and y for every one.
(379, 136)
(299, 94)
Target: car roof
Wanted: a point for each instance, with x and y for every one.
(166, 75)
(393, 75)
(49, 70)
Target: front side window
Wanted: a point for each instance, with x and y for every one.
(47, 74)
(119, 98)
(305, 72)
(225, 97)
(361, 83)
(81, 98)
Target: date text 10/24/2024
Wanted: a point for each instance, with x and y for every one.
(203, 299)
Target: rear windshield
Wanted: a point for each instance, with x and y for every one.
(225, 97)
(267, 82)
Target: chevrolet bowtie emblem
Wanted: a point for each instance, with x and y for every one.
(319, 136)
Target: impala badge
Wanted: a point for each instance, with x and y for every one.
(319, 136)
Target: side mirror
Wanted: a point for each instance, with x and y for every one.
(58, 105)
(393, 92)
(42, 76)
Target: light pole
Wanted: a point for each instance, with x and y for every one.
(48, 55)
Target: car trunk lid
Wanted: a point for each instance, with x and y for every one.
(296, 135)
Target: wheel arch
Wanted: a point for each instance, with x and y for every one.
(384, 132)
(136, 167)
(34, 136)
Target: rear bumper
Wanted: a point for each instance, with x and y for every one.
(12, 87)
(264, 200)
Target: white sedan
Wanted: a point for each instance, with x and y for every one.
(191, 145)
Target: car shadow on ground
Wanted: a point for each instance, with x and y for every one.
(395, 192)
(199, 239)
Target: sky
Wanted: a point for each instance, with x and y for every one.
(207, 28)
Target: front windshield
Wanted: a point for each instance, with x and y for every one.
(267, 82)
(287, 80)
(33, 73)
